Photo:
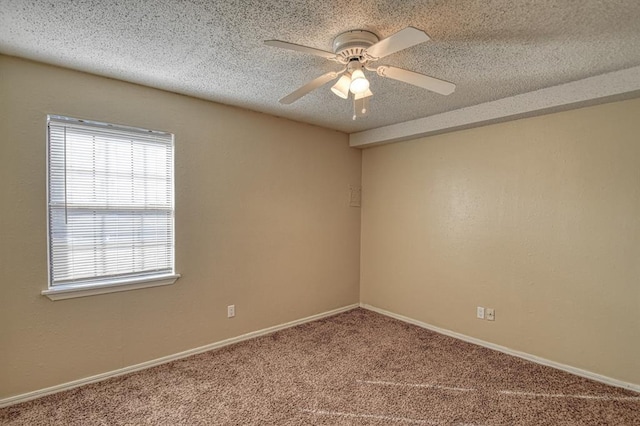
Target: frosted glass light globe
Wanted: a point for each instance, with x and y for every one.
(359, 83)
(341, 88)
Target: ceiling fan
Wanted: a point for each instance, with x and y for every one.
(357, 50)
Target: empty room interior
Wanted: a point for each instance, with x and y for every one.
(371, 213)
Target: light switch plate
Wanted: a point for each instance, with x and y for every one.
(355, 195)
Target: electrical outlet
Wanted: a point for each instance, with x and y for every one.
(491, 314)
(231, 311)
(480, 312)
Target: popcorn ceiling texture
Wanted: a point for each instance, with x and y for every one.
(214, 50)
(356, 368)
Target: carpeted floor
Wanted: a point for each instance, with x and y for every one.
(356, 368)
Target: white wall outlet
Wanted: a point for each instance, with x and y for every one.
(491, 314)
(480, 312)
(231, 311)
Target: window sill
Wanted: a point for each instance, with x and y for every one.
(70, 291)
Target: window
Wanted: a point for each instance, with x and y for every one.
(110, 208)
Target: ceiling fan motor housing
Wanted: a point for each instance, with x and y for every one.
(351, 45)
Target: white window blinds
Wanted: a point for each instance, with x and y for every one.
(111, 206)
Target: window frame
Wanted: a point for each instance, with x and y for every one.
(94, 286)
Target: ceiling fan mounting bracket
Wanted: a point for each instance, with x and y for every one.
(351, 45)
(381, 71)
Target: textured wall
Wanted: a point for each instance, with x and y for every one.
(262, 221)
(538, 218)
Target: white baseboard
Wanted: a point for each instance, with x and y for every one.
(126, 370)
(523, 355)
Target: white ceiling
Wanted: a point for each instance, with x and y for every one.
(492, 50)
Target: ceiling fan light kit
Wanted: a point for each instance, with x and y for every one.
(356, 50)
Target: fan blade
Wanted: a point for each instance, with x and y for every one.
(299, 48)
(401, 40)
(420, 80)
(310, 86)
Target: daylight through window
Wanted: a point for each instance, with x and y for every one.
(111, 203)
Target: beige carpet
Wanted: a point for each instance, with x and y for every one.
(356, 368)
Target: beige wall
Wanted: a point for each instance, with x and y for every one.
(262, 221)
(538, 218)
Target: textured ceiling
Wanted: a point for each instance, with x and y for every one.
(214, 49)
